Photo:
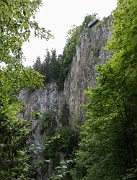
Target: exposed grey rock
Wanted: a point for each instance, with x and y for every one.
(89, 53)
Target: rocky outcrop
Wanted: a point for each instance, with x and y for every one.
(89, 53)
(37, 102)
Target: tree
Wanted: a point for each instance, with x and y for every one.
(37, 65)
(73, 39)
(46, 68)
(108, 138)
(17, 18)
(55, 68)
(50, 67)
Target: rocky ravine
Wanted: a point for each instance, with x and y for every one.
(90, 52)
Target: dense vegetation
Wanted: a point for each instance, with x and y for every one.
(59, 146)
(55, 68)
(17, 18)
(108, 145)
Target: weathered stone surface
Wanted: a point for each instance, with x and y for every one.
(90, 52)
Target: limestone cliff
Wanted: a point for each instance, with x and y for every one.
(89, 53)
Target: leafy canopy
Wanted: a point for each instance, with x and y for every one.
(108, 148)
(17, 18)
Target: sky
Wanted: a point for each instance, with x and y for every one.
(59, 16)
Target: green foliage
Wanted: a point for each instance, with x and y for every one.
(17, 18)
(73, 40)
(64, 140)
(50, 67)
(64, 119)
(62, 171)
(13, 131)
(14, 162)
(37, 65)
(59, 145)
(55, 68)
(108, 147)
(100, 23)
(48, 122)
(95, 52)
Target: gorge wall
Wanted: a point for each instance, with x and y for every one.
(89, 53)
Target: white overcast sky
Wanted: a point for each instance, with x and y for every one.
(58, 16)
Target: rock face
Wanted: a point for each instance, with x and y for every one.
(41, 100)
(90, 52)
(38, 102)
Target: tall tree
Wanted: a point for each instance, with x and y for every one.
(17, 18)
(108, 147)
(37, 65)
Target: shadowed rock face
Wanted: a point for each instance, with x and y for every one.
(89, 53)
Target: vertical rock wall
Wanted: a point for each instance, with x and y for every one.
(89, 53)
